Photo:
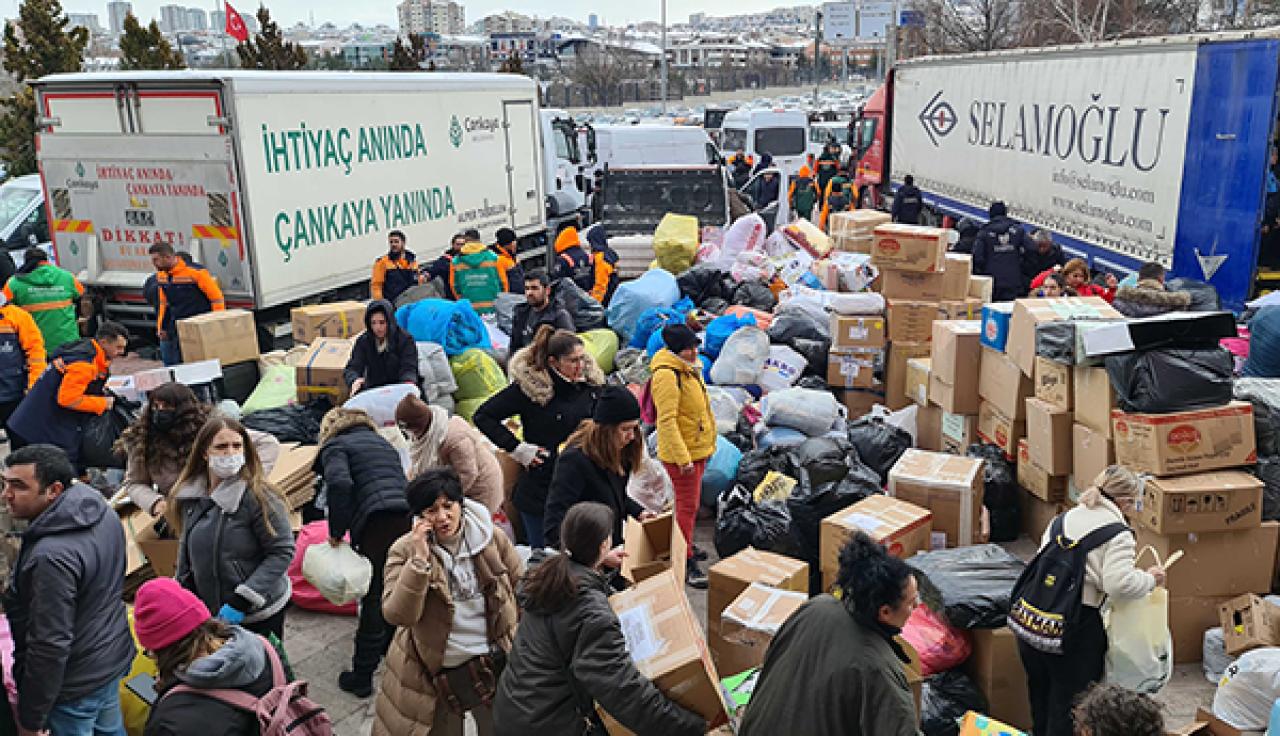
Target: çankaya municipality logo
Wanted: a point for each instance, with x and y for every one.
(938, 118)
(455, 132)
(80, 169)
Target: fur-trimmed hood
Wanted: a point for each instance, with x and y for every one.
(536, 382)
(338, 421)
(1151, 295)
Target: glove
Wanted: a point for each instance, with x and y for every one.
(230, 615)
(525, 453)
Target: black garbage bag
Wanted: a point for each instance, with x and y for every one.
(1057, 341)
(1006, 523)
(795, 323)
(99, 433)
(1264, 394)
(809, 504)
(756, 465)
(505, 308)
(879, 445)
(823, 459)
(744, 523)
(968, 586)
(755, 294)
(945, 698)
(813, 383)
(1000, 477)
(1204, 297)
(585, 311)
(294, 423)
(715, 305)
(702, 282)
(815, 354)
(1268, 471)
(1171, 379)
(743, 437)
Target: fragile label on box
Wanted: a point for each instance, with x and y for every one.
(1204, 502)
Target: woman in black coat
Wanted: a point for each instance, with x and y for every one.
(554, 385)
(597, 462)
(383, 354)
(364, 481)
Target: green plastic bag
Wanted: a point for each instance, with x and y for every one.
(675, 242)
(466, 408)
(602, 345)
(278, 387)
(477, 374)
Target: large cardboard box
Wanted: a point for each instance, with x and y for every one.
(912, 285)
(1049, 436)
(959, 267)
(909, 248)
(145, 546)
(997, 429)
(1002, 385)
(918, 372)
(1052, 383)
(653, 547)
(857, 332)
(321, 368)
(858, 222)
(666, 643)
(1189, 617)
(1216, 563)
(228, 336)
(958, 432)
(1248, 622)
(958, 398)
(911, 321)
(336, 319)
(858, 401)
(1094, 400)
(728, 578)
(902, 527)
(1227, 500)
(1091, 453)
(996, 668)
(188, 374)
(854, 367)
(960, 309)
(752, 620)
(1027, 313)
(1037, 514)
(1036, 480)
(1187, 441)
(895, 381)
(957, 352)
(982, 288)
(1207, 724)
(929, 428)
(850, 243)
(949, 486)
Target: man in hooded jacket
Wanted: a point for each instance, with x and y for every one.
(998, 253)
(572, 260)
(384, 354)
(604, 264)
(49, 294)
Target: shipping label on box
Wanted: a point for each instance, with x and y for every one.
(949, 486)
(997, 429)
(857, 332)
(958, 432)
(911, 321)
(1027, 313)
(912, 285)
(854, 368)
(910, 248)
(917, 388)
(1186, 442)
(730, 576)
(1206, 502)
(228, 336)
(1037, 481)
(1091, 453)
(903, 528)
(320, 373)
(1094, 401)
(959, 268)
(1052, 383)
(1248, 622)
(1049, 436)
(895, 381)
(1216, 563)
(336, 319)
(652, 547)
(1002, 384)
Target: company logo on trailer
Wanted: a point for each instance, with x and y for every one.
(938, 118)
(455, 132)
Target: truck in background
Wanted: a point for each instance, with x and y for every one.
(629, 146)
(1154, 149)
(783, 134)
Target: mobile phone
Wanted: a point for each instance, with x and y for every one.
(144, 686)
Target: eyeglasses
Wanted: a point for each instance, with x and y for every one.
(575, 359)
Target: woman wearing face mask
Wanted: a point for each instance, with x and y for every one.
(439, 440)
(450, 588)
(235, 543)
(159, 442)
(554, 385)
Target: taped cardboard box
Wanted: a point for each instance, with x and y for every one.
(982, 288)
(1186, 442)
(949, 486)
(1221, 501)
(911, 321)
(909, 248)
(855, 368)
(958, 432)
(997, 429)
(912, 285)
(959, 267)
(1091, 453)
(1052, 383)
(666, 643)
(996, 668)
(1094, 401)
(228, 336)
(957, 353)
(1037, 514)
(1216, 563)
(1049, 436)
(653, 547)
(144, 546)
(754, 617)
(320, 373)
(918, 372)
(728, 578)
(849, 243)
(858, 222)
(1036, 480)
(859, 402)
(1002, 385)
(1189, 617)
(1027, 313)
(336, 319)
(1207, 725)
(1248, 622)
(960, 309)
(929, 428)
(896, 371)
(904, 528)
(857, 332)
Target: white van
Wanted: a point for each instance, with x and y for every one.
(631, 146)
(783, 134)
(822, 132)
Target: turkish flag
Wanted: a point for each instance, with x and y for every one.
(235, 25)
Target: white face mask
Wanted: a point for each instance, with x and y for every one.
(226, 466)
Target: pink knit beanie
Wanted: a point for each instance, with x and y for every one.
(165, 612)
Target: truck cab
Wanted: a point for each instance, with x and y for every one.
(783, 134)
(869, 149)
(565, 167)
(23, 218)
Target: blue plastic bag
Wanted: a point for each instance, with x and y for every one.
(721, 328)
(453, 325)
(657, 288)
(652, 322)
(721, 470)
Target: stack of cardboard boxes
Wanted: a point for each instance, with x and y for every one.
(854, 231)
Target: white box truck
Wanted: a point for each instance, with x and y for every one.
(286, 184)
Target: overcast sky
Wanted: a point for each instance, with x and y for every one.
(343, 12)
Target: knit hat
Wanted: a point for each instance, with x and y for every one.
(165, 612)
(413, 413)
(615, 406)
(997, 209)
(679, 338)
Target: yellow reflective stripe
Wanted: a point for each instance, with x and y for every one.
(47, 306)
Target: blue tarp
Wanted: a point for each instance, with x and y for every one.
(454, 325)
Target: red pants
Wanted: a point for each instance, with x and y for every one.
(688, 497)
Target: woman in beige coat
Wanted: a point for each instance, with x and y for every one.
(450, 588)
(439, 440)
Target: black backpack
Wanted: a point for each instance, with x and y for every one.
(1045, 606)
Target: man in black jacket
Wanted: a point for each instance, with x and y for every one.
(1042, 256)
(384, 354)
(71, 637)
(998, 253)
(538, 309)
(908, 202)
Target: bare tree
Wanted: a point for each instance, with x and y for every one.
(601, 69)
(958, 26)
(1088, 21)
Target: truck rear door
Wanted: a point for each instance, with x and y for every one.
(523, 166)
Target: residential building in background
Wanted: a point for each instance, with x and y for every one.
(173, 18)
(88, 21)
(197, 19)
(116, 11)
(507, 22)
(430, 16)
(593, 22)
(217, 21)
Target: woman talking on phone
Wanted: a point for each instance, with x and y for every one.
(450, 588)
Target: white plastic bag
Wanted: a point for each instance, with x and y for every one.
(338, 573)
(1248, 689)
(741, 358)
(1140, 647)
(1214, 651)
(380, 403)
(726, 405)
(650, 486)
(745, 234)
(437, 376)
(806, 410)
(782, 368)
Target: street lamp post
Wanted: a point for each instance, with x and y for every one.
(664, 57)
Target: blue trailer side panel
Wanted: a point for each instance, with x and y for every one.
(1223, 180)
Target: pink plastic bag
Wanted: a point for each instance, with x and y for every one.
(940, 646)
(305, 594)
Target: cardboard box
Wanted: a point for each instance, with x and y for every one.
(1049, 436)
(1216, 563)
(895, 372)
(1248, 622)
(336, 319)
(902, 527)
(918, 372)
(1207, 725)
(958, 432)
(1094, 401)
(754, 617)
(667, 645)
(949, 486)
(1002, 384)
(982, 288)
(228, 336)
(996, 669)
(1036, 480)
(320, 372)
(144, 546)
(960, 309)
(857, 332)
(855, 368)
(1037, 514)
(1186, 442)
(1221, 501)
(929, 428)
(859, 402)
(961, 398)
(912, 285)
(997, 429)
(728, 578)
(858, 222)
(1052, 384)
(909, 248)
(1189, 617)
(995, 325)
(1091, 453)
(957, 352)
(911, 321)
(653, 547)
(1027, 313)
(959, 267)
(846, 243)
